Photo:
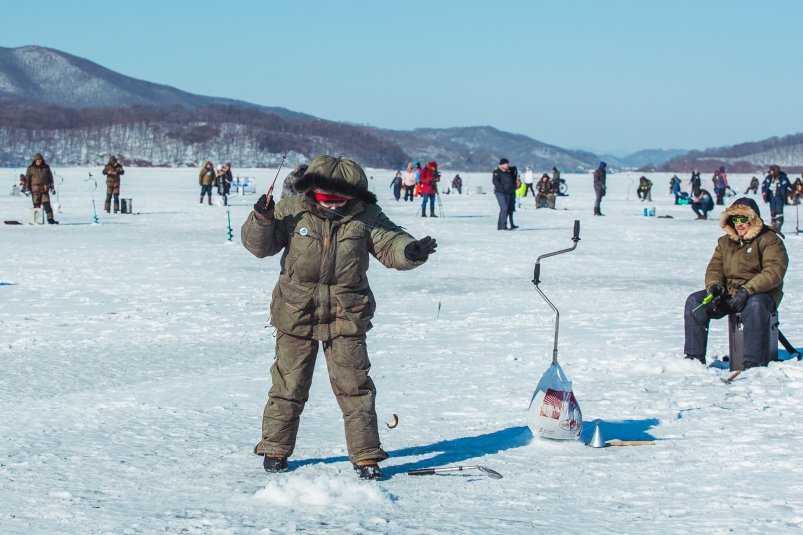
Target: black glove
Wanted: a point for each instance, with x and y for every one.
(738, 301)
(265, 208)
(419, 250)
(53, 191)
(715, 290)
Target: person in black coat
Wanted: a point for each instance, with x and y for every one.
(599, 186)
(505, 190)
(696, 184)
(225, 178)
(753, 186)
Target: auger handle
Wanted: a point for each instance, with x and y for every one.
(576, 237)
(421, 472)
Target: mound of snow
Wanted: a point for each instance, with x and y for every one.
(323, 490)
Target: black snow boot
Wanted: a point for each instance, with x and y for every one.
(701, 358)
(746, 365)
(369, 472)
(275, 464)
(432, 212)
(423, 211)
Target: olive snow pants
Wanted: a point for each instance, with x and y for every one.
(112, 188)
(348, 365)
(41, 197)
(549, 197)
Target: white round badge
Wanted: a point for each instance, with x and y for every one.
(303, 231)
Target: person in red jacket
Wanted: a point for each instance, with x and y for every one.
(429, 188)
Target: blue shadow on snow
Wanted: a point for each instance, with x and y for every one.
(621, 430)
(448, 451)
(457, 450)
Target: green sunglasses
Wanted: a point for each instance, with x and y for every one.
(740, 219)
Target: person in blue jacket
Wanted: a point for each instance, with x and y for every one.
(396, 184)
(775, 189)
(676, 188)
(702, 204)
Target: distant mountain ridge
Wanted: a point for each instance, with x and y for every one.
(642, 158)
(79, 112)
(787, 152)
(472, 145)
(38, 76)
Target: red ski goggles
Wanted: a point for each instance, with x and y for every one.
(326, 197)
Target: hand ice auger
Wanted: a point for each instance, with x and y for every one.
(537, 281)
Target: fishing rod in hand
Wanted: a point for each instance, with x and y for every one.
(715, 292)
(279, 170)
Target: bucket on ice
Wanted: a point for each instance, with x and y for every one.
(36, 216)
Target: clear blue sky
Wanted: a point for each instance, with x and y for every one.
(623, 75)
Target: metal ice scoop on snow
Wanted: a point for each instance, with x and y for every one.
(427, 471)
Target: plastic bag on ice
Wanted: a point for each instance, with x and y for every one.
(554, 412)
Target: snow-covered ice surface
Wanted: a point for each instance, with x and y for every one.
(135, 365)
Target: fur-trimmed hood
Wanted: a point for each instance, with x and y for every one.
(745, 209)
(336, 176)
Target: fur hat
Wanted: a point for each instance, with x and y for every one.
(746, 207)
(336, 176)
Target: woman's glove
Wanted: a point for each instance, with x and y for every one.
(420, 249)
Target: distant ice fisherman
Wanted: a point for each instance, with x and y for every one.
(39, 180)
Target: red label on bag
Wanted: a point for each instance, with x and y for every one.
(553, 405)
